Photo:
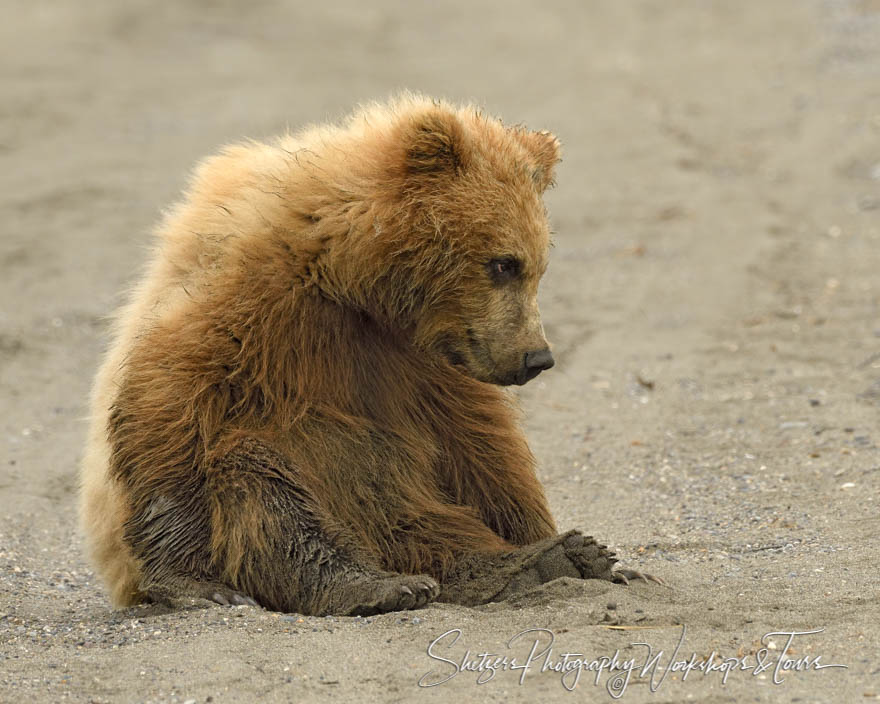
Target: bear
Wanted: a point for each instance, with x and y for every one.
(303, 406)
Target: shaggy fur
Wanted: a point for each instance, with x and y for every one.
(301, 405)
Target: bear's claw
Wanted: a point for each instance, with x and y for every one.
(395, 593)
(229, 597)
(625, 576)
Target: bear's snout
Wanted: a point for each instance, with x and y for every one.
(534, 363)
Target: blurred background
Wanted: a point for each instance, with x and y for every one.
(112, 102)
(712, 297)
(698, 138)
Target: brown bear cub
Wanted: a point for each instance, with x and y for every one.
(301, 407)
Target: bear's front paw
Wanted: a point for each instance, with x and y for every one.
(592, 560)
(394, 593)
(595, 561)
(570, 554)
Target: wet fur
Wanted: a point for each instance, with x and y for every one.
(277, 417)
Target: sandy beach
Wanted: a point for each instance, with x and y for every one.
(713, 301)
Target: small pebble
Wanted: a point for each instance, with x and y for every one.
(792, 424)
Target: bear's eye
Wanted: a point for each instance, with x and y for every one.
(504, 269)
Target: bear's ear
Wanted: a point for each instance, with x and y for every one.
(546, 152)
(435, 143)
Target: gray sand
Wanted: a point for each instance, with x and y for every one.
(713, 299)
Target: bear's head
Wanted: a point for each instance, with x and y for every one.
(455, 238)
(473, 191)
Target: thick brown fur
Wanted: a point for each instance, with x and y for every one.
(302, 403)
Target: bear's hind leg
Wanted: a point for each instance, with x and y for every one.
(247, 531)
(268, 543)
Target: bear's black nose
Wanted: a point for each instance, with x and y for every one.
(534, 363)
